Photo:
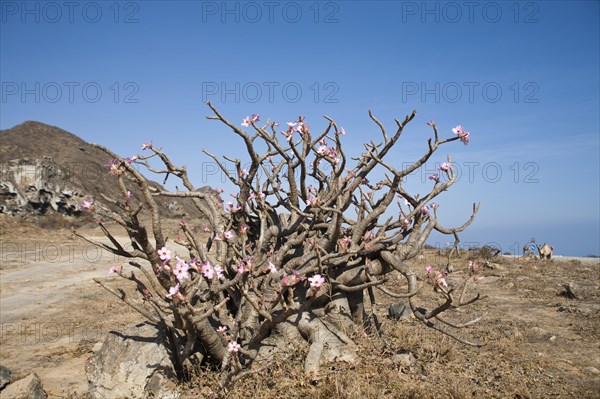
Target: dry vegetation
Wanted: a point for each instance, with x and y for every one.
(538, 344)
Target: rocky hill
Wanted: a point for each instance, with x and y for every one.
(46, 171)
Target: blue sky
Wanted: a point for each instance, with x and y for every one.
(522, 77)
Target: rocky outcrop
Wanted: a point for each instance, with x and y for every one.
(29, 387)
(5, 377)
(34, 186)
(132, 364)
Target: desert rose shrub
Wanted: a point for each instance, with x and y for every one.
(296, 254)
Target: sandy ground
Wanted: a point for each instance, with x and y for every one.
(52, 314)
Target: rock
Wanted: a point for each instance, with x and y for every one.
(29, 387)
(591, 370)
(489, 279)
(5, 376)
(569, 291)
(131, 364)
(492, 266)
(35, 187)
(399, 310)
(403, 359)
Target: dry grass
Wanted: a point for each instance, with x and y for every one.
(537, 345)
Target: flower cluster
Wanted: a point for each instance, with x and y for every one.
(345, 243)
(254, 195)
(293, 279)
(325, 151)
(297, 126)
(231, 208)
(462, 134)
(88, 205)
(147, 146)
(115, 167)
(181, 270)
(445, 166)
(209, 271)
(248, 120)
(438, 278)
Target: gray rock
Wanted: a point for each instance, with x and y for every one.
(29, 387)
(131, 364)
(569, 291)
(33, 187)
(403, 360)
(5, 377)
(591, 370)
(399, 310)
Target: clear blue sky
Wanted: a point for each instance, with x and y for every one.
(522, 77)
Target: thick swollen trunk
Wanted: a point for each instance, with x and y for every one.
(324, 328)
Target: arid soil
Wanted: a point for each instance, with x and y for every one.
(537, 342)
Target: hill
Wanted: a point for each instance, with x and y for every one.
(47, 172)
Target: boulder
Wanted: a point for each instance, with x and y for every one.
(5, 376)
(132, 364)
(399, 310)
(29, 387)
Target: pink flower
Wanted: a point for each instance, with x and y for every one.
(242, 268)
(444, 166)
(406, 202)
(116, 269)
(316, 281)
(218, 271)
(312, 201)
(429, 269)
(173, 291)
(272, 267)
(181, 271)
(228, 235)
(208, 271)
(244, 173)
(406, 223)
(425, 210)
(442, 281)
(164, 254)
(345, 243)
(342, 132)
(233, 347)
(146, 146)
(433, 205)
(462, 134)
(244, 228)
(88, 205)
(431, 123)
(435, 178)
(255, 117)
(222, 329)
(458, 129)
(206, 229)
(323, 150)
(246, 122)
(217, 190)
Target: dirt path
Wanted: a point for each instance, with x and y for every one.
(52, 313)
